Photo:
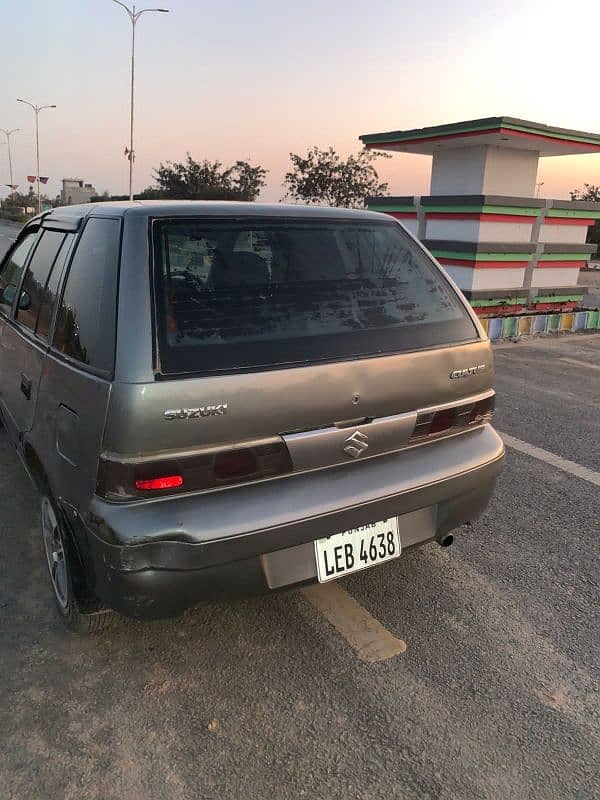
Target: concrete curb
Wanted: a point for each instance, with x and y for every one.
(535, 324)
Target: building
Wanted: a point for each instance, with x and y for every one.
(75, 191)
(506, 248)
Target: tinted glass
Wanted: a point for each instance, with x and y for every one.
(85, 328)
(237, 295)
(12, 270)
(36, 276)
(46, 310)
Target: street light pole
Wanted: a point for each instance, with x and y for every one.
(37, 110)
(133, 17)
(8, 134)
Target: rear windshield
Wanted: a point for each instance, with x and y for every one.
(260, 293)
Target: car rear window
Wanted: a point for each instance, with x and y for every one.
(261, 293)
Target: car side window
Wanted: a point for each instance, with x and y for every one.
(44, 321)
(36, 277)
(85, 328)
(12, 270)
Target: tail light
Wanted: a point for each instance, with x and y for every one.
(234, 464)
(482, 410)
(453, 419)
(133, 479)
(158, 484)
(442, 421)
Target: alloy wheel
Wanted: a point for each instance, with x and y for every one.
(55, 554)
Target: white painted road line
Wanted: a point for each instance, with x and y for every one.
(570, 467)
(363, 632)
(577, 363)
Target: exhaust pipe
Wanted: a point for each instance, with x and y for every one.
(446, 540)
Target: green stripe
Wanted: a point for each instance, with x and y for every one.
(516, 210)
(564, 256)
(513, 301)
(482, 256)
(512, 210)
(510, 256)
(389, 207)
(563, 298)
(573, 213)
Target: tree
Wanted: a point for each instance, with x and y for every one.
(591, 194)
(13, 206)
(21, 200)
(207, 180)
(322, 177)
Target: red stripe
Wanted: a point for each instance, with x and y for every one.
(502, 131)
(481, 217)
(568, 221)
(565, 139)
(556, 306)
(551, 264)
(504, 309)
(459, 262)
(400, 214)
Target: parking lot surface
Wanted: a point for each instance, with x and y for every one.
(496, 694)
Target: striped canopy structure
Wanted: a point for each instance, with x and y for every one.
(505, 247)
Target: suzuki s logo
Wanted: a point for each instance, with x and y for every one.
(356, 444)
(195, 413)
(466, 373)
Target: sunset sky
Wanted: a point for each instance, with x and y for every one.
(256, 80)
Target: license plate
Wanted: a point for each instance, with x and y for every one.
(358, 548)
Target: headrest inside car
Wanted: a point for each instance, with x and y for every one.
(238, 269)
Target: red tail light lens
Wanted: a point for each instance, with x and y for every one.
(454, 419)
(442, 421)
(482, 410)
(156, 484)
(235, 464)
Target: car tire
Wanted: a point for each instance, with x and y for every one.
(78, 616)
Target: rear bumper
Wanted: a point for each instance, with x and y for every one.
(156, 558)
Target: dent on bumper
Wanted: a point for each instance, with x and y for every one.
(196, 532)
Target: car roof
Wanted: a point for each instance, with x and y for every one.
(187, 208)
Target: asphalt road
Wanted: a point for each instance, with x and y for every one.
(496, 696)
(8, 232)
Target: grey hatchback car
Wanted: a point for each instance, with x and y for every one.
(225, 398)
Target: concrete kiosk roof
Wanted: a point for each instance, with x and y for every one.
(508, 132)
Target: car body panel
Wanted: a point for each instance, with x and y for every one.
(69, 423)
(290, 400)
(21, 360)
(154, 559)
(331, 496)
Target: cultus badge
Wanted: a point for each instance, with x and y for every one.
(467, 372)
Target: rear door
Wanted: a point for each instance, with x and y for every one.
(13, 347)
(25, 338)
(78, 368)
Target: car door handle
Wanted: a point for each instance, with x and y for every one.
(25, 386)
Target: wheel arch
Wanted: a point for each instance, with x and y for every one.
(66, 517)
